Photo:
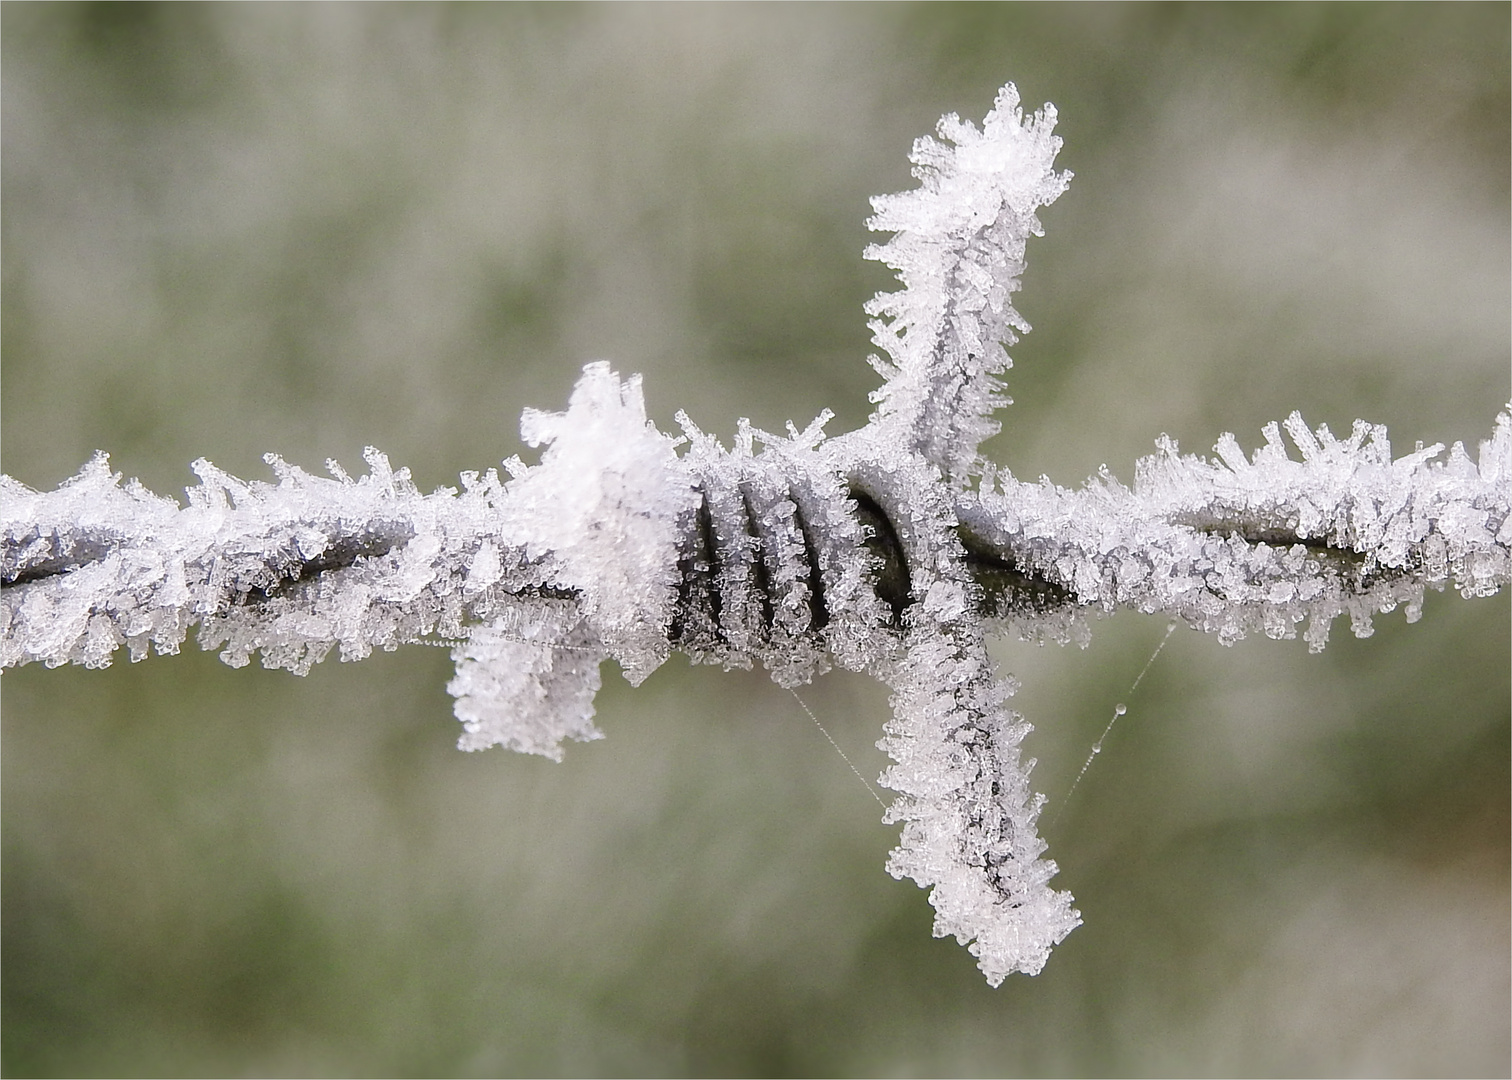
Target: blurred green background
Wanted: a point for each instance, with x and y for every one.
(231, 229)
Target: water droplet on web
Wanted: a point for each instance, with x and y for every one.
(1118, 710)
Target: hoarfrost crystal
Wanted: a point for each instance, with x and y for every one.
(886, 550)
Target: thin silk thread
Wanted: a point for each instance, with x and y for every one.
(1118, 710)
(832, 742)
(453, 643)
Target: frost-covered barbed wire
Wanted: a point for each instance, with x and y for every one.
(1263, 543)
(888, 550)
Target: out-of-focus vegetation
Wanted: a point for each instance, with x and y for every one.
(237, 228)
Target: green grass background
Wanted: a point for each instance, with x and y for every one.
(229, 229)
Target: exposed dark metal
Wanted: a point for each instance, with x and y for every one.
(696, 621)
(759, 571)
(894, 586)
(819, 607)
(1353, 566)
(1006, 588)
(61, 558)
(340, 553)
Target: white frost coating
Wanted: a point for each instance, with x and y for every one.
(605, 509)
(959, 251)
(867, 550)
(526, 680)
(969, 815)
(1446, 520)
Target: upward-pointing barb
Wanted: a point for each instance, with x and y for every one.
(959, 251)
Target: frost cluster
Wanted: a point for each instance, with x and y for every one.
(604, 512)
(883, 550)
(527, 678)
